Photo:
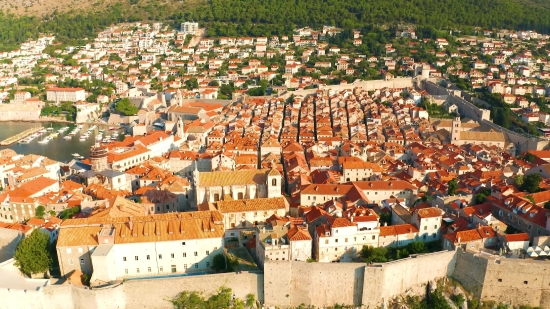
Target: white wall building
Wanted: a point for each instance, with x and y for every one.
(65, 94)
(140, 246)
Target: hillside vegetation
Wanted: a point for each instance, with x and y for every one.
(274, 17)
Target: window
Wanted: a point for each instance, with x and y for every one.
(196, 253)
(273, 182)
(69, 250)
(326, 241)
(136, 257)
(184, 254)
(424, 236)
(161, 269)
(435, 226)
(126, 271)
(167, 207)
(173, 268)
(425, 228)
(172, 255)
(346, 240)
(124, 258)
(70, 261)
(196, 265)
(79, 250)
(137, 270)
(183, 243)
(148, 257)
(207, 264)
(207, 252)
(373, 237)
(185, 266)
(160, 256)
(499, 280)
(148, 269)
(336, 240)
(525, 282)
(158, 208)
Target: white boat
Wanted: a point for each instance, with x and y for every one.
(106, 140)
(42, 131)
(68, 137)
(46, 140)
(76, 155)
(80, 126)
(98, 138)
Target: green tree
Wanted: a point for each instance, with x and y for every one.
(40, 212)
(416, 247)
(385, 217)
(372, 254)
(125, 107)
(250, 300)
(531, 183)
(453, 185)
(518, 180)
(218, 263)
(188, 300)
(529, 157)
(69, 212)
(32, 255)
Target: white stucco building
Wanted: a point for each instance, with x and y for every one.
(140, 246)
(65, 94)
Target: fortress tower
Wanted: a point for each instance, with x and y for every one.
(98, 156)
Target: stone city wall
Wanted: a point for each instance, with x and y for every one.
(385, 281)
(513, 282)
(152, 293)
(290, 283)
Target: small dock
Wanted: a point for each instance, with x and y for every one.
(16, 137)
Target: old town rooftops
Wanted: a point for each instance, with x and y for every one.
(230, 178)
(259, 204)
(378, 185)
(151, 228)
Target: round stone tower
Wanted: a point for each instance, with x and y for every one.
(98, 156)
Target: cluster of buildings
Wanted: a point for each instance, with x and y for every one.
(310, 175)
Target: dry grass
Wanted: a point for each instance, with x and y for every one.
(46, 7)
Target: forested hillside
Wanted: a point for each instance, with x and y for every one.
(275, 17)
(512, 14)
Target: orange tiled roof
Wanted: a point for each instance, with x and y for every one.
(251, 205)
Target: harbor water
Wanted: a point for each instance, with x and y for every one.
(57, 148)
